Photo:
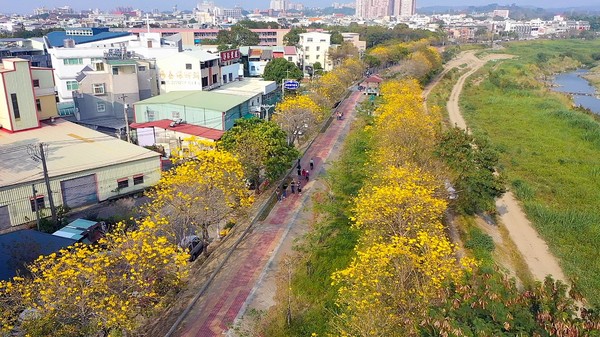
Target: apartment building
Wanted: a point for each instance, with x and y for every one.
(313, 47)
(189, 70)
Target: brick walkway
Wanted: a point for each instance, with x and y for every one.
(216, 311)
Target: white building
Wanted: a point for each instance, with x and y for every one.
(313, 47)
(74, 49)
(198, 70)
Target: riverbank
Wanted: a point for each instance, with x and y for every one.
(548, 152)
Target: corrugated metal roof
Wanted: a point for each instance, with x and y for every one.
(197, 99)
(71, 148)
(192, 130)
(57, 39)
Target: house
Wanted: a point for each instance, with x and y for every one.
(84, 167)
(201, 108)
(189, 70)
(260, 94)
(19, 248)
(29, 95)
(354, 38)
(107, 89)
(313, 47)
(74, 49)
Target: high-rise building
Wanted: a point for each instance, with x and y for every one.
(404, 8)
(375, 9)
(278, 5)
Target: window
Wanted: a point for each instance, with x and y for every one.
(204, 81)
(224, 78)
(36, 83)
(306, 48)
(318, 56)
(115, 71)
(39, 200)
(138, 179)
(188, 66)
(73, 61)
(290, 58)
(323, 40)
(230, 77)
(306, 57)
(100, 107)
(309, 39)
(98, 88)
(214, 79)
(99, 66)
(141, 68)
(15, 104)
(253, 68)
(122, 183)
(38, 105)
(318, 48)
(151, 115)
(72, 85)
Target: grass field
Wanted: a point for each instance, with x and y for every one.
(549, 152)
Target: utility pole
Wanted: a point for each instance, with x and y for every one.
(38, 154)
(287, 75)
(37, 211)
(123, 97)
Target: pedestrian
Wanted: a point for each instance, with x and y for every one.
(278, 194)
(298, 163)
(284, 189)
(304, 173)
(293, 187)
(299, 187)
(307, 174)
(312, 164)
(299, 171)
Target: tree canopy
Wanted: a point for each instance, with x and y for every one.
(279, 69)
(292, 37)
(261, 147)
(237, 36)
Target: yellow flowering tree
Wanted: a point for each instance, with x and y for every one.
(95, 290)
(297, 115)
(389, 286)
(204, 188)
(400, 202)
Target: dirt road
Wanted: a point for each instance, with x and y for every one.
(531, 246)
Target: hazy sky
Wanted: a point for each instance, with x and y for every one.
(27, 6)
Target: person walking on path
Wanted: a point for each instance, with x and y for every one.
(312, 164)
(299, 184)
(307, 174)
(299, 171)
(293, 187)
(278, 194)
(284, 188)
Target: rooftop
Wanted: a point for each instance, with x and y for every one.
(22, 247)
(71, 148)
(197, 99)
(192, 130)
(57, 39)
(248, 87)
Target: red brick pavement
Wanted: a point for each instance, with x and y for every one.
(230, 289)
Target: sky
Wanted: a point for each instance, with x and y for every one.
(27, 6)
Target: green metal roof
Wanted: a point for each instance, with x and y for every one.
(197, 99)
(121, 62)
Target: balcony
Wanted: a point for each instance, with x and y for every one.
(44, 91)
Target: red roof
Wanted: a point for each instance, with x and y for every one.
(193, 130)
(289, 50)
(374, 79)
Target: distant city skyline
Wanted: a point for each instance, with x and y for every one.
(27, 6)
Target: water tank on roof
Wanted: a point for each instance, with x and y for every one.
(69, 43)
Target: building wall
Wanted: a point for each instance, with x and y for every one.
(313, 47)
(18, 197)
(19, 82)
(174, 76)
(49, 108)
(196, 116)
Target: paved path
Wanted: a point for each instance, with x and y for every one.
(531, 246)
(215, 312)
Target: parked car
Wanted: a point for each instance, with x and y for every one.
(193, 244)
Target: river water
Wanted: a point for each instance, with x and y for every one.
(573, 83)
